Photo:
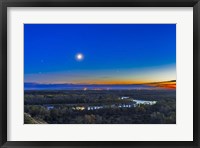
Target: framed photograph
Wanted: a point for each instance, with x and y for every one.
(100, 73)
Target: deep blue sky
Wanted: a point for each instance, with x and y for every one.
(113, 53)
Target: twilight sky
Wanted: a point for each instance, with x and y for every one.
(99, 53)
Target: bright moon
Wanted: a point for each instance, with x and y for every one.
(79, 56)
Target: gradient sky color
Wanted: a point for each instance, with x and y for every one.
(112, 53)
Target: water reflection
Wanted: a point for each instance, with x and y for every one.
(134, 103)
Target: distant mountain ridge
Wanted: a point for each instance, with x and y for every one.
(165, 84)
(67, 86)
(34, 83)
(161, 82)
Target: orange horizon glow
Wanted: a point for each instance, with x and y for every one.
(162, 84)
(168, 85)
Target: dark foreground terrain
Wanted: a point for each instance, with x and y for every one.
(100, 107)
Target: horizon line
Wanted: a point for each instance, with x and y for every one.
(147, 83)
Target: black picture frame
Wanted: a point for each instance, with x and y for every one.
(4, 4)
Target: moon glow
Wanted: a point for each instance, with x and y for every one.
(79, 57)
